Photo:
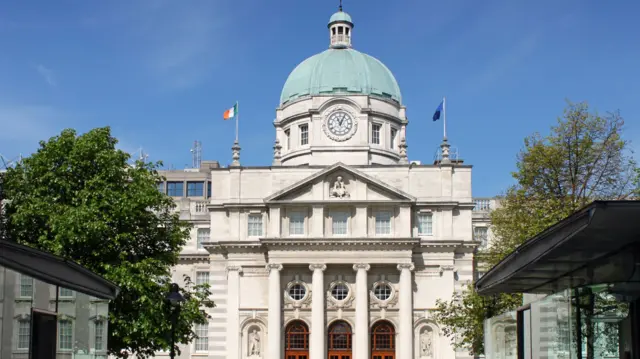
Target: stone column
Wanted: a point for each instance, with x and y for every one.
(317, 346)
(233, 311)
(361, 335)
(275, 312)
(405, 304)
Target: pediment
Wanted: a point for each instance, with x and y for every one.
(339, 182)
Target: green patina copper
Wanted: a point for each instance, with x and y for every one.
(340, 16)
(341, 71)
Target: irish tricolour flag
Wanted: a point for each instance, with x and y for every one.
(231, 113)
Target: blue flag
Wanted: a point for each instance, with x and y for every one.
(436, 115)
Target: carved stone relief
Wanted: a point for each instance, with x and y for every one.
(338, 189)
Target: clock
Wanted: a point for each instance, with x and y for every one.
(340, 124)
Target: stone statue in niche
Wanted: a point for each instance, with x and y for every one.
(426, 344)
(339, 190)
(254, 344)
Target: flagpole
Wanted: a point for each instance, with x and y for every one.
(237, 118)
(444, 116)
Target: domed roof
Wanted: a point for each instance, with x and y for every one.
(341, 71)
(340, 16)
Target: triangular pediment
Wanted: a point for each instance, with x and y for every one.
(339, 182)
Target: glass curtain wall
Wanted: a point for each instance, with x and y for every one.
(82, 320)
(583, 323)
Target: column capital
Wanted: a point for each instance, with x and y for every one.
(359, 266)
(408, 266)
(317, 266)
(276, 266)
(234, 269)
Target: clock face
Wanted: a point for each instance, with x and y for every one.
(340, 123)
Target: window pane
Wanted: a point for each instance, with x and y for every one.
(203, 236)
(64, 292)
(208, 189)
(99, 335)
(255, 225)
(26, 286)
(202, 278)
(394, 132)
(24, 330)
(202, 337)
(383, 223)
(425, 224)
(375, 134)
(195, 189)
(296, 224)
(287, 135)
(480, 235)
(65, 331)
(339, 223)
(175, 189)
(304, 135)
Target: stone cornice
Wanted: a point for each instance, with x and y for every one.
(343, 201)
(387, 116)
(263, 205)
(194, 256)
(369, 243)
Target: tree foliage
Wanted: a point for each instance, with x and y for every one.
(79, 198)
(583, 158)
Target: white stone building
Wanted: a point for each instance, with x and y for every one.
(340, 248)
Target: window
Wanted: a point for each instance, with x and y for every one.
(202, 337)
(304, 135)
(339, 223)
(382, 291)
(340, 291)
(383, 222)
(480, 235)
(26, 286)
(202, 278)
(161, 187)
(375, 134)
(99, 335)
(65, 335)
(287, 138)
(296, 342)
(394, 132)
(203, 236)
(208, 189)
(66, 293)
(296, 224)
(195, 189)
(24, 331)
(255, 225)
(297, 292)
(425, 224)
(175, 189)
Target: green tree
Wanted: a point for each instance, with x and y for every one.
(583, 158)
(79, 198)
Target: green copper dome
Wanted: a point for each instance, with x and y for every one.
(340, 16)
(341, 72)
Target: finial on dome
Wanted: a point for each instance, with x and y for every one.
(340, 6)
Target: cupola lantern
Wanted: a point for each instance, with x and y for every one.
(340, 28)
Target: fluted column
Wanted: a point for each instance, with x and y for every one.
(275, 312)
(405, 327)
(361, 335)
(317, 346)
(233, 311)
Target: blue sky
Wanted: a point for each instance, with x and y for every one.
(161, 73)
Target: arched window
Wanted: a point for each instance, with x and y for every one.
(339, 343)
(296, 341)
(383, 341)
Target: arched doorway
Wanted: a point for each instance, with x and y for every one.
(296, 344)
(339, 343)
(383, 341)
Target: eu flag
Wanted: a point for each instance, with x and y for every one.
(436, 115)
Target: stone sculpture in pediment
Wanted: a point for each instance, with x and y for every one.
(339, 189)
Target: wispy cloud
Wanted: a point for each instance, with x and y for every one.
(48, 74)
(177, 42)
(22, 127)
